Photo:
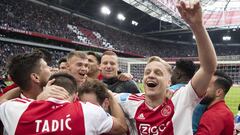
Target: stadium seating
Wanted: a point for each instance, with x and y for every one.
(29, 16)
(9, 49)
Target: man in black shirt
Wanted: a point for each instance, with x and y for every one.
(109, 67)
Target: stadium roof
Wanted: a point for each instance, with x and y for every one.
(217, 13)
(91, 9)
(159, 18)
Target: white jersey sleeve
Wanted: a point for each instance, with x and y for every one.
(130, 103)
(10, 113)
(96, 119)
(185, 100)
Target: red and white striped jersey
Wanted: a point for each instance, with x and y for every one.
(173, 117)
(27, 117)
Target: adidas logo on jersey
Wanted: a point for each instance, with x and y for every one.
(141, 116)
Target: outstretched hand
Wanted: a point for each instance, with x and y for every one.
(190, 12)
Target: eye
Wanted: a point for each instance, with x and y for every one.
(112, 63)
(147, 72)
(79, 64)
(105, 63)
(159, 72)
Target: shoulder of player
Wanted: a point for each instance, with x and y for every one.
(131, 97)
(128, 82)
(22, 100)
(93, 110)
(90, 106)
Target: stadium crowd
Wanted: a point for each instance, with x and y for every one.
(7, 50)
(29, 16)
(73, 102)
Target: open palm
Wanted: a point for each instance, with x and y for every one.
(192, 13)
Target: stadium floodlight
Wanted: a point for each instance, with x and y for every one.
(121, 17)
(134, 23)
(226, 38)
(193, 36)
(105, 10)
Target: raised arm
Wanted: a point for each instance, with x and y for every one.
(192, 14)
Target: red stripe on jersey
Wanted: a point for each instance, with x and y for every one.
(26, 99)
(136, 97)
(20, 100)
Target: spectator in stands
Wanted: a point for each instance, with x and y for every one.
(10, 49)
(217, 119)
(62, 63)
(182, 73)
(2, 85)
(109, 67)
(152, 113)
(78, 117)
(25, 15)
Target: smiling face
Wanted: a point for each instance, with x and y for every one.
(109, 66)
(63, 66)
(156, 79)
(93, 65)
(79, 68)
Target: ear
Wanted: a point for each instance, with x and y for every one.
(35, 77)
(105, 104)
(178, 75)
(169, 82)
(100, 67)
(75, 96)
(219, 92)
(68, 66)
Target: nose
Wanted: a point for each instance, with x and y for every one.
(151, 74)
(108, 65)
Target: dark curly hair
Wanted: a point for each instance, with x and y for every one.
(21, 66)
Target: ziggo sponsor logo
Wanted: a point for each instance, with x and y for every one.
(146, 129)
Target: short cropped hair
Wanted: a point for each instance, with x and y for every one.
(158, 59)
(109, 53)
(96, 87)
(47, 56)
(223, 81)
(97, 56)
(79, 54)
(21, 66)
(65, 80)
(63, 59)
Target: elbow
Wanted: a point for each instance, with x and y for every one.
(210, 69)
(119, 131)
(123, 129)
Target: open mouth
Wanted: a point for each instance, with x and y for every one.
(81, 74)
(151, 84)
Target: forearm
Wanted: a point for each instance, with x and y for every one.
(116, 111)
(206, 52)
(13, 93)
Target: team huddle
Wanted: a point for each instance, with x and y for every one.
(88, 96)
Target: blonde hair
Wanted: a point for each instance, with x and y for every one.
(158, 59)
(79, 54)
